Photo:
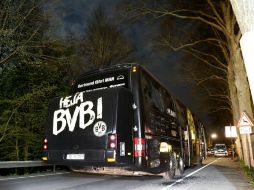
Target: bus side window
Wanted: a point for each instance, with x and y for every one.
(151, 92)
(157, 97)
(147, 92)
(168, 102)
(170, 111)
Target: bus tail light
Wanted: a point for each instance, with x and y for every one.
(45, 144)
(139, 146)
(112, 141)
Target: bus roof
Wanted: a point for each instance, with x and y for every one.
(108, 68)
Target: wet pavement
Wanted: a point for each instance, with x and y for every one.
(222, 174)
(214, 174)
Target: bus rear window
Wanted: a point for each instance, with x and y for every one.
(102, 80)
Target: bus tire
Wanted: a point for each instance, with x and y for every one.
(171, 168)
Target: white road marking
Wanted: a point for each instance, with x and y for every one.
(180, 180)
(24, 177)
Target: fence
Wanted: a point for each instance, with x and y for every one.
(24, 164)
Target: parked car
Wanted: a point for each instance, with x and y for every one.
(220, 150)
(210, 152)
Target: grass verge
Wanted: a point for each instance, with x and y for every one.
(249, 172)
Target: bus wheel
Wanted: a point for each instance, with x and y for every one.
(171, 168)
(181, 166)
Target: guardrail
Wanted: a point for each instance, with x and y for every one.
(24, 164)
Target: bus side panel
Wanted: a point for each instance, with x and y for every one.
(124, 127)
(139, 119)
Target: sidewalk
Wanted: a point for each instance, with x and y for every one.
(230, 169)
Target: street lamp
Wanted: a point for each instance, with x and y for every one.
(214, 136)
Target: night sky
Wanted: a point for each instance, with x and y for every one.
(72, 17)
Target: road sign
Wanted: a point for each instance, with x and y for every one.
(245, 130)
(230, 131)
(244, 121)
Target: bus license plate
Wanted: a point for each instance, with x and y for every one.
(75, 156)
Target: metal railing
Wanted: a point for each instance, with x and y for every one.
(24, 164)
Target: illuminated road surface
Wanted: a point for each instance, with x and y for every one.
(215, 174)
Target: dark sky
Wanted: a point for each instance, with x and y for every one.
(72, 16)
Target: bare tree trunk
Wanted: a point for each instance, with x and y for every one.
(17, 152)
(234, 107)
(243, 10)
(244, 97)
(233, 93)
(242, 84)
(26, 151)
(17, 148)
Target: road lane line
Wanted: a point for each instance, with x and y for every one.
(180, 180)
(23, 177)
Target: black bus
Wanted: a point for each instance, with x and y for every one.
(122, 117)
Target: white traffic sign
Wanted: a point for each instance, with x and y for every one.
(230, 131)
(245, 130)
(244, 121)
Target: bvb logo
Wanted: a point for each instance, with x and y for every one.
(100, 128)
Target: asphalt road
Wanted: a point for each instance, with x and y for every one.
(215, 174)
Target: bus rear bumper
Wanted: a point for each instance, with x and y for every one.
(93, 158)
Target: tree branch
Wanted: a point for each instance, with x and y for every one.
(20, 47)
(220, 109)
(219, 19)
(24, 18)
(7, 123)
(6, 14)
(180, 14)
(197, 42)
(212, 77)
(193, 53)
(220, 63)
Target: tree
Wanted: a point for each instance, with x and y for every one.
(103, 43)
(207, 73)
(219, 18)
(244, 15)
(33, 69)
